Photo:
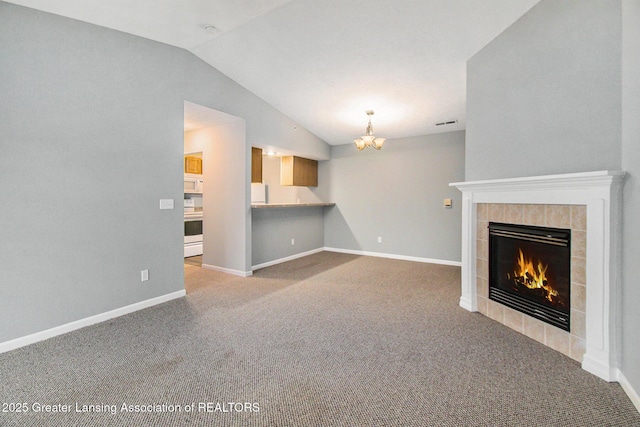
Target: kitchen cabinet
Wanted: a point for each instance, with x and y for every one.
(193, 164)
(256, 165)
(298, 171)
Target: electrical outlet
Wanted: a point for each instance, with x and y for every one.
(144, 275)
(293, 242)
(379, 239)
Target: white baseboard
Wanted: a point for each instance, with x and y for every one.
(599, 367)
(228, 270)
(393, 256)
(466, 304)
(72, 326)
(353, 252)
(628, 388)
(285, 259)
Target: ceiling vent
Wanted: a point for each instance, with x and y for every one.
(450, 122)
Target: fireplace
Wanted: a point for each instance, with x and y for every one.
(530, 269)
(588, 203)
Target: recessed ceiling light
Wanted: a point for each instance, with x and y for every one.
(210, 29)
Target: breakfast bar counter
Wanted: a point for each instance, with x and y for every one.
(289, 205)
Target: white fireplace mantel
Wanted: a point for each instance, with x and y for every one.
(600, 192)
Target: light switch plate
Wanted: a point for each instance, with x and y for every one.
(166, 203)
(447, 203)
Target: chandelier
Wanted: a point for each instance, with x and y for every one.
(369, 139)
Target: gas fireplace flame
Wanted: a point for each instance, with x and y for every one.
(533, 276)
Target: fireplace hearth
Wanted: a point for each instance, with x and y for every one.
(530, 269)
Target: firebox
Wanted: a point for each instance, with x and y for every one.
(530, 269)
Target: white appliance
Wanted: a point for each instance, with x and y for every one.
(193, 184)
(258, 193)
(192, 234)
(189, 205)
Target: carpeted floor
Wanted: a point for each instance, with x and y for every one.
(326, 340)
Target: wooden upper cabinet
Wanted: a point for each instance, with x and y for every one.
(298, 171)
(256, 165)
(193, 164)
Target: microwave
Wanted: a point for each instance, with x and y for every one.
(193, 184)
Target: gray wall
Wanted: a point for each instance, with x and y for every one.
(550, 95)
(396, 193)
(631, 164)
(273, 229)
(544, 97)
(91, 137)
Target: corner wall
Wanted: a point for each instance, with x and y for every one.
(631, 197)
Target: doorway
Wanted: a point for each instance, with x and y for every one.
(218, 141)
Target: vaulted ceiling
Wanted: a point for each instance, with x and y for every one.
(324, 62)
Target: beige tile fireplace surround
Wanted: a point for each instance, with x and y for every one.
(573, 217)
(587, 203)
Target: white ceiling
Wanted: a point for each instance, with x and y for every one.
(198, 117)
(323, 63)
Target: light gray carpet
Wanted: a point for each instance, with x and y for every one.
(326, 340)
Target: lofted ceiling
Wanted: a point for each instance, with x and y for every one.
(323, 63)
